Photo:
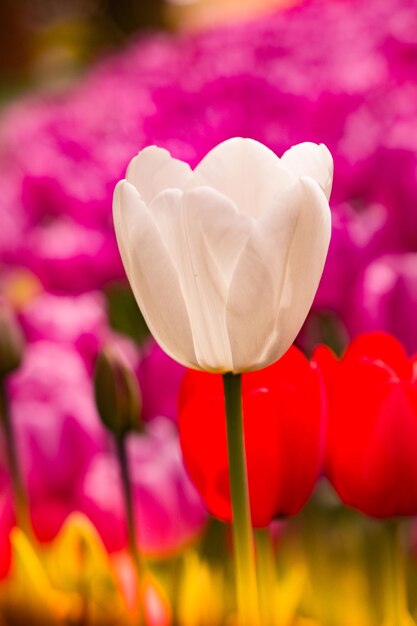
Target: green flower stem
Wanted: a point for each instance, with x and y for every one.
(19, 491)
(247, 593)
(397, 613)
(266, 575)
(138, 564)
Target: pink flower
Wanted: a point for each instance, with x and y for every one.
(65, 319)
(66, 456)
(57, 431)
(168, 509)
(386, 298)
(160, 378)
(68, 257)
(357, 237)
(78, 321)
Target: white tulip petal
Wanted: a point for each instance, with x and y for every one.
(205, 235)
(251, 309)
(305, 265)
(313, 160)
(245, 171)
(154, 170)
(166, 211)
(152, 275)
(225, 261)
(223, 228)
(258, 281)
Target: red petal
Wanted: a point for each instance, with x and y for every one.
(283, 437)
(380, 347)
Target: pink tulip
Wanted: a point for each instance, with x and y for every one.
(168, 509)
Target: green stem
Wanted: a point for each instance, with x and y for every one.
(396, 608)
(122, 457)
(247, 593)
(266, 575)
(19, 492)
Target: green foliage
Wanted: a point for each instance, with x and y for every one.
(124, 313)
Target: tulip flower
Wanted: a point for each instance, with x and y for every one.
(283, 424)
(372, 432)
(50, 422)
(68, 257)
(117, 393)
(224, 260)
(386, 298)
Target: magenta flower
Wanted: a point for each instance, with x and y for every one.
(73, 320)
(57, 431)
(160, 378)
(78, 321)
(357, 238)
(386, 298)
(68, 257)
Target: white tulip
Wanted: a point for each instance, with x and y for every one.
(224, 260)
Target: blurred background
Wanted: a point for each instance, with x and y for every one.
(86, 84)
(43, 40)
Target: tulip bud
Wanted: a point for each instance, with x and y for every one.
(117, 393)
(11, 341)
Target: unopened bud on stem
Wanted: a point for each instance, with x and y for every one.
(117, 393)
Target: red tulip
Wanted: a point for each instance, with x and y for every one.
(371, 452)
(283, 426)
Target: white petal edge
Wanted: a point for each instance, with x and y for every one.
(246, 171)
(313, 160)
(304, 269)
(154, 170)
(152, 275)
